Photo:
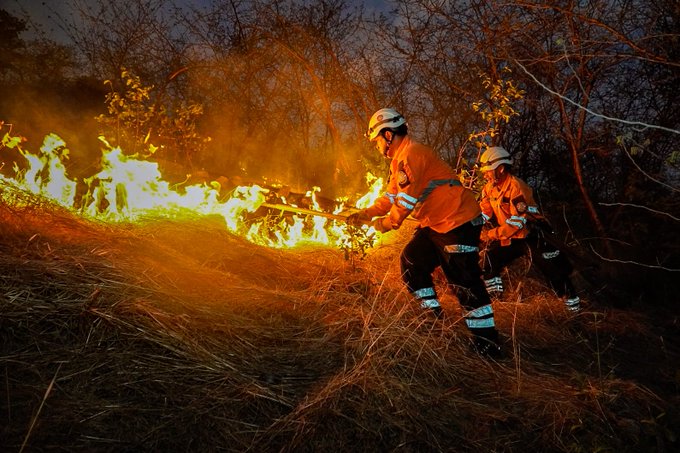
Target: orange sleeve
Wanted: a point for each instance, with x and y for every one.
(380, 206)
(485, 205)
(513, 222)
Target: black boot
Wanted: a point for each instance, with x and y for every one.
(486, 342)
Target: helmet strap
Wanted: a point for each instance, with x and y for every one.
(388, 142)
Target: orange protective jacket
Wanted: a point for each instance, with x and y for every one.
(425, 187)
(513, 206)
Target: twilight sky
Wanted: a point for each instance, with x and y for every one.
(44, 14)
(40, 14)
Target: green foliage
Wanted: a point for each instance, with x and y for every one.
(10, 141)
(129, 115)
(498, 107)
(138, 121)
(495, 111)
(357, 244)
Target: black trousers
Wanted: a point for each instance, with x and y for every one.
(548, 259)
(457, 252)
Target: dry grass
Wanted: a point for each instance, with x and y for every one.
(177, 336)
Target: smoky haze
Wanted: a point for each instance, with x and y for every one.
(582, 94)
(35, 112)
(264, 115)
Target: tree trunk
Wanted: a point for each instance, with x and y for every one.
(574, 138)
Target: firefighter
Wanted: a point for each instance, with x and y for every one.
(422, 185)
(518, 229)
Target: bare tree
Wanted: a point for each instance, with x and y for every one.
(591, 62)
(141, 35)
(283, 75)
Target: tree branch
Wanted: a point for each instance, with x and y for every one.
(652, 266)
(641, 207)
(646, 174)
(599, 115)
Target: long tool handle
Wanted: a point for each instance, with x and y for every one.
(285, 207)
(328, 215)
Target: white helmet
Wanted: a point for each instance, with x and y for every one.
(493, 157)
(383, 119)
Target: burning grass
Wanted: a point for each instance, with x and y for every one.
(179, 336)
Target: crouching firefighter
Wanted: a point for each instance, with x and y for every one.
(508, 202)
(449, 219)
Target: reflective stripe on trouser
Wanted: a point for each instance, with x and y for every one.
(427, 297)
(553, 264)
(427, 250)
(479, 318)
(494, 285)
(573, 303)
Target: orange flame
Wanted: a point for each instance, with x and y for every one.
(128, 188)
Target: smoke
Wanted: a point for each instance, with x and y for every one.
(68, 112)
(273, 152)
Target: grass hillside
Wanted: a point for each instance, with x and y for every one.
(178, 336)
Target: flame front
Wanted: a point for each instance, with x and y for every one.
(127, 189)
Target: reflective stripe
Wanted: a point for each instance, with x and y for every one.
(424, 292)
(480, 323)
(394, 119)
(390, 196)
(573, 301)
(573, 304)
(480, 317)
(493, 281)
(406, 200)
(486, 217)
(480, 311)
(550, 255)
(532, 209)
(493, 161)
(427, 297)
(408, 197)
(494, 285)
(436, 183)
(460, 248)
(429, 303)
(516, 221)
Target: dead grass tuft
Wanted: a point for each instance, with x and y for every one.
(177, 336)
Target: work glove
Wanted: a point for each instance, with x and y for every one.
(484, 236)
(358, 218)
(382, 224)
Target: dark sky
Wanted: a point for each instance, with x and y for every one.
(44, 14)
(39, 13)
